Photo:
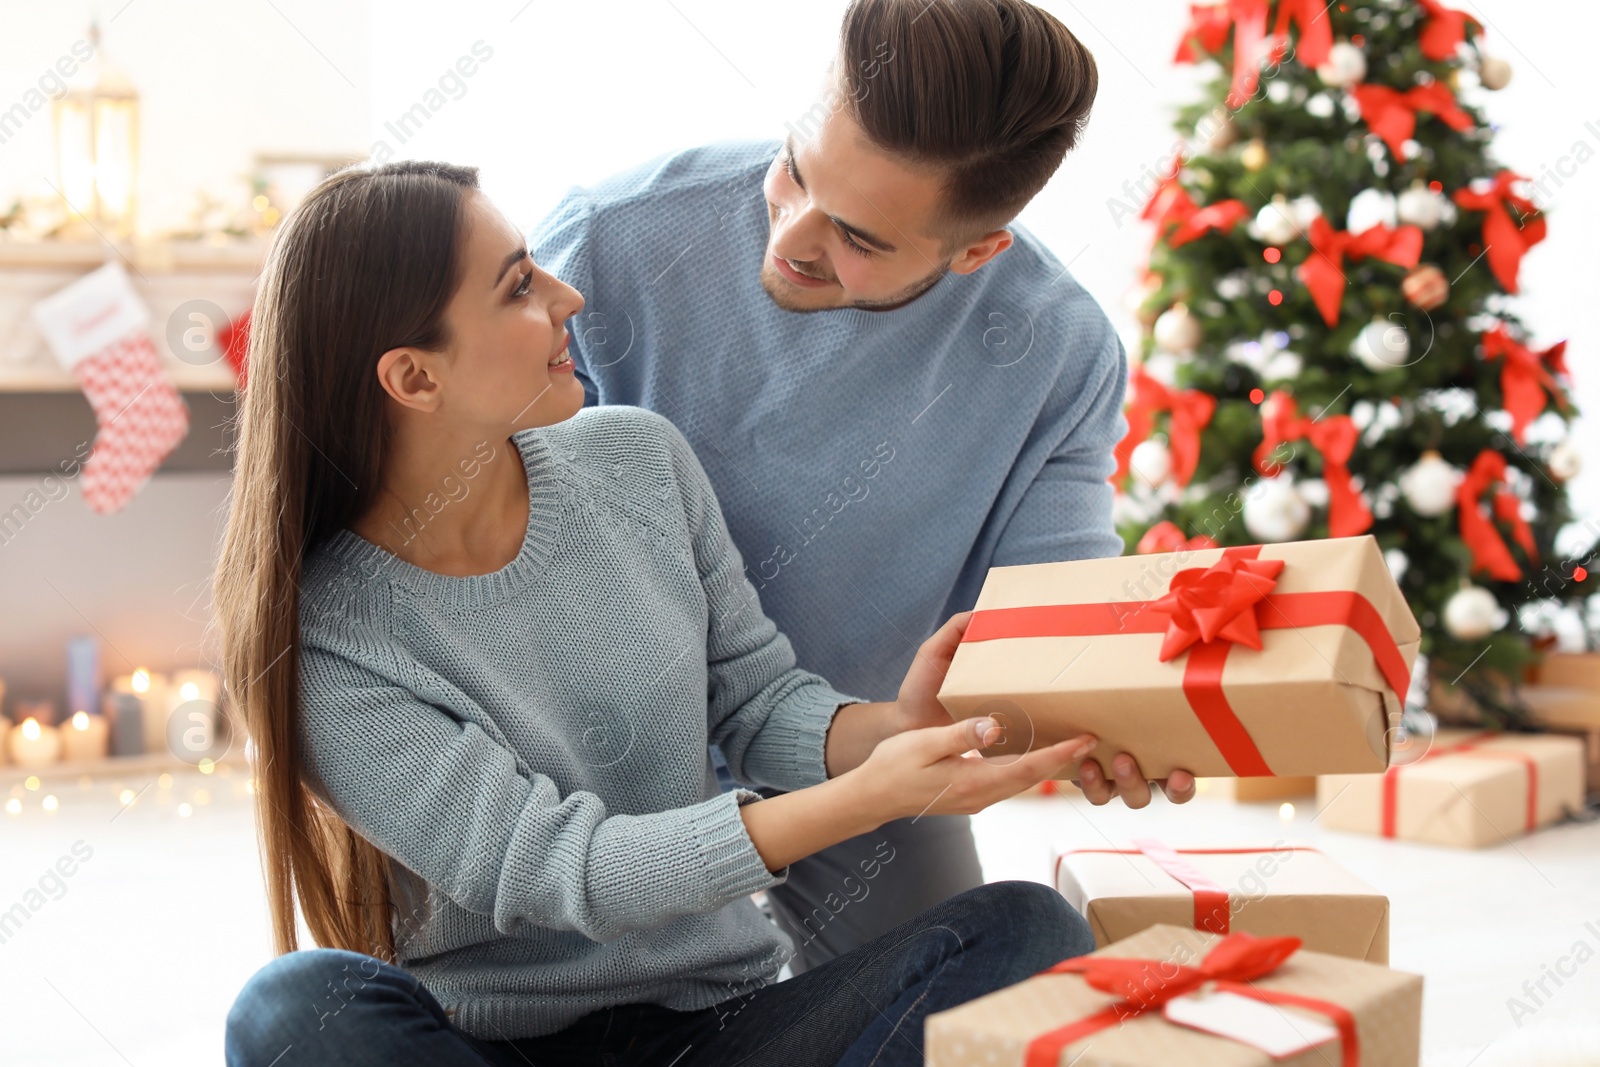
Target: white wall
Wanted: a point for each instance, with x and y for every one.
(575, 91)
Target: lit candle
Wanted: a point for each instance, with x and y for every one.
(191, 714)
(151, 690)
(34, 744)
(85, 737)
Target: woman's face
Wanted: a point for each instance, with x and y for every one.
(508, 368)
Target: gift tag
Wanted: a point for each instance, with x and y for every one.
(1250, 1022)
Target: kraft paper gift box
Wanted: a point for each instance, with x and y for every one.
(1283, 659)
(1470, 789)
(1276, 891)
(1057, 1019)
(1256, 790)
(1574, 711)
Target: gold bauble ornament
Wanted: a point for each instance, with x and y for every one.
(1254, 155)
(1494, 72)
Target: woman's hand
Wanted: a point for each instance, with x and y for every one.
(929, 771)
(918, 704)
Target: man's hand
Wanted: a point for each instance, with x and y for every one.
(1129, 783)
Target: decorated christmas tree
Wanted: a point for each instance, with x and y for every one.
(1332, 347)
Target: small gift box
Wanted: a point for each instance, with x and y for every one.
(1283, 659)
(1280, 891)
(1171, 995)
(1468, 790)
(1574, 712)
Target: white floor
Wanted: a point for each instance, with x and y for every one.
(135, 957)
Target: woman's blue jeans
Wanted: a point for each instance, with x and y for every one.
(863, 1008)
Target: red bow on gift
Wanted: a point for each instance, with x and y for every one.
(1165, 536)
(1334, 437)
(1233, 964)
(1209, 25)
(1323, 270)
(1445, 29)
(1216, 603)
(1392, 115)
(1525, 376)
(1189, 410)
(1505, 238)
(1172, 209)
(1489, 551)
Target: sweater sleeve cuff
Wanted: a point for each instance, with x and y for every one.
(729, 858)
(796, 735)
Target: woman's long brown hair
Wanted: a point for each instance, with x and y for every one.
(365, 263)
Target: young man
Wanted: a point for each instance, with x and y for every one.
(891, 388)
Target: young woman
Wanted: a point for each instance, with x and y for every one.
(481, 638)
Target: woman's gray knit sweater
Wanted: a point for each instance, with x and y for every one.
(529, 746)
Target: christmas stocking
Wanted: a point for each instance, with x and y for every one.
(99, 329)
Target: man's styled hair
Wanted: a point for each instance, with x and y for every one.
(991, 93)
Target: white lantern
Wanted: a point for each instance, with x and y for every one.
(97, 143)
(1346, 66)
(1429, 485)
(1382, 344)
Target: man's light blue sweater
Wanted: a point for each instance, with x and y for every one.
(530, 746)
(872, 465)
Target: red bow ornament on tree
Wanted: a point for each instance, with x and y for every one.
(1323, 269)
(1445, 30)
(1489, 551)
(1525, 377)
(1392, 115)
(1188, 410)
(1216, 603)
(1165, 536)
(1334, 437)
(1505, 238)
(1178, 218)
(1209, 25)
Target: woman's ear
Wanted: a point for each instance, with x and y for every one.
(411, 376)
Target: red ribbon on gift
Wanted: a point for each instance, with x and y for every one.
(1211, 600)
(1323, 269)
(1211, 905)
(1389, 819)
(1188, 410)
(1334, 437)
(1209, 25)
(1445, 29)
(1489, 551)
(1178, 217)
(1392, 114)
(1525, 377)
(1506, 239)
(1165, 536)
(1232, 965)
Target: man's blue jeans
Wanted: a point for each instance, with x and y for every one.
(865, 1007)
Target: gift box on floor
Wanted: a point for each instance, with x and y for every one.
(1282, 659)
(1278, 891)
(1572, 711)
(1470, 789)
(1134, 1004)
(1254, 790)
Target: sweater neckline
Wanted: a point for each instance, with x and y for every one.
(539, 460)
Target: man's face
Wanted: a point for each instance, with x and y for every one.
(849, 224)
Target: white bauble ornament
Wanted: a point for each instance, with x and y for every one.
(1151, 461)
(1565, 461)
(1429, 484)
(1306, 210)
(1275, 511)
(1494, 72)
(1346, 65)
(1470, 613)
(1397, 562)
(1282, 367)
(1368, 208)
(1420, 206)
(1382, 344)
(1313, 491)
(1276, 223)
(1177, 330)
